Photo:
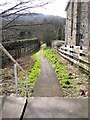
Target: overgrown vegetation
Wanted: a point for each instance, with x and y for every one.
(10, 45)
(64, 77)
(34, 72)
(32, 75)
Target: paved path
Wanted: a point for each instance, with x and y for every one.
(57, 107)
(13, 107)
(47, 84)
(0, 107)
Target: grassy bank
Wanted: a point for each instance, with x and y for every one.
(63, 75)
(34, 72)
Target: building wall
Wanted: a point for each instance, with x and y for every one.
(74, 24)
(68, 25)
(77, 23)
(89, 24)
(71, 24)
(84, 22)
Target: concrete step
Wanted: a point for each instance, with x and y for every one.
(56, 107)
(13, 107)
(0, 107)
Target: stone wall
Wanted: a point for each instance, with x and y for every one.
(71, 24)
(19, 49)
(84, 22)
(74, 24)
(68, 25)
(77, 23)
(89, 24)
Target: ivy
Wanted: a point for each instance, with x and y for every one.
(19, 43)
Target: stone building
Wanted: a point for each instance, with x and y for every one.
(77, 23)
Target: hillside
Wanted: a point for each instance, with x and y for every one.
(31, 25)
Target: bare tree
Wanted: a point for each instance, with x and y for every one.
(22, 6)
(16, 8)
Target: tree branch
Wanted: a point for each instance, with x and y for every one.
(10, 21)
(12, 8)
(25, 8)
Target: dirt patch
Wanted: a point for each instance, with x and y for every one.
(80, 80)
(8, 83)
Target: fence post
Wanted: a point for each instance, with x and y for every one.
(26, 84)
(80, 53)
(16, 79)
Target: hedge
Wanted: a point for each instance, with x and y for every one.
(10, 45)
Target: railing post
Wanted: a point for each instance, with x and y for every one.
(80, 53)
(26, 84)
(16, 79)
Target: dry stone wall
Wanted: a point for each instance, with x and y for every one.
(19, 48)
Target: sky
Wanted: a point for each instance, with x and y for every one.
(57, 7)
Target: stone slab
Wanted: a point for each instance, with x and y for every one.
(0, 107)
(13, 107)
(56, 107)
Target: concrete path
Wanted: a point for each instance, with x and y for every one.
(0, 107)
(56, 107)
(47, 84)
(13, 107)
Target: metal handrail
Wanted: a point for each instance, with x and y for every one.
(8, 54)
(15, 69)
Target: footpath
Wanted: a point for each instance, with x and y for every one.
(47, 84)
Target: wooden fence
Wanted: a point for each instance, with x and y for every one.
(75, 54)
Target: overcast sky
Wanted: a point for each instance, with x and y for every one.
(57, 7)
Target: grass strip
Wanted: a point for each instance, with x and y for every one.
(35, 71)
(63, 75)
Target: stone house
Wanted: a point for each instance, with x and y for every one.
(77, 31)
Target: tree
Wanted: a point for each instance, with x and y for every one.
(22, 34)
(16, 9)
(25, 34)
(59, 33)
(20, 7)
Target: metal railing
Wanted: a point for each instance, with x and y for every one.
(15, 70)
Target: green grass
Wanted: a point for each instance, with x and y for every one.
(34, 72)
(61, 70)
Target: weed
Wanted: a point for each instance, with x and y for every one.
(60, 69)
(34, 72)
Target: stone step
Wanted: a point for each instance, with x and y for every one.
(13, 107)
(56, 107)
(0, 107)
